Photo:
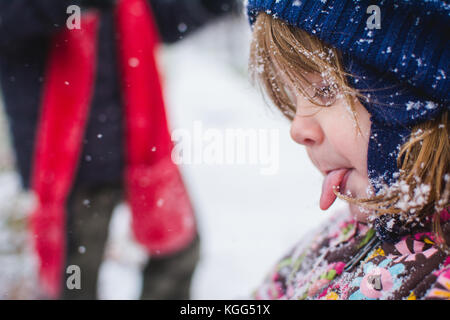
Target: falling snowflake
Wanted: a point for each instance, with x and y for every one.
(133, 62)
(182, 27)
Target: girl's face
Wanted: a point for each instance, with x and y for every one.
(334, 145)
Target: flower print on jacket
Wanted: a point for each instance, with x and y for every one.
(346, 231)
(334, 269)
(410, 255)
(378, 280)
(441, 290)
(413, 268)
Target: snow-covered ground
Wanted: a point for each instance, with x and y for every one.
(247, 219)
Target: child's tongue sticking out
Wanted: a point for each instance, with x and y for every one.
(332, 179)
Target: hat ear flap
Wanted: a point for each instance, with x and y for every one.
(384, 146)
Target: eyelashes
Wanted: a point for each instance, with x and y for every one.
(325, 95)
(321, 94)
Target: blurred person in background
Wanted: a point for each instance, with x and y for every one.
(89, 130)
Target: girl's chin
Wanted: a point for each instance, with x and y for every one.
(359, 215)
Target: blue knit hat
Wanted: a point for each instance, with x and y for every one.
(401, 67)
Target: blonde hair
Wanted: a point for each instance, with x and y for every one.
(422, 187)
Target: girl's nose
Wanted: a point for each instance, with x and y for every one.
(306, 130)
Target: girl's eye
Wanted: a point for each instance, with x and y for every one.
(325, 95)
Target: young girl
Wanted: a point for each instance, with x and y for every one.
(371, 106)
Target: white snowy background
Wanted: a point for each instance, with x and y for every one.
(246, 220)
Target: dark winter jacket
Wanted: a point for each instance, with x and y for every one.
(26, 27)
(345, 260)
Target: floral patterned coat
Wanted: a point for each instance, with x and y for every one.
(413, 268)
